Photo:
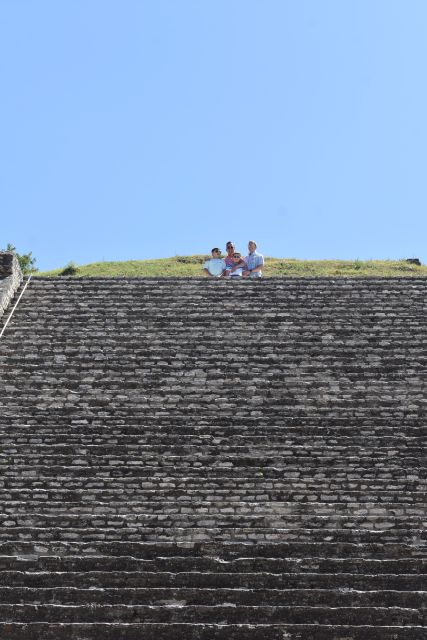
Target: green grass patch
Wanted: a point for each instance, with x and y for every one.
(187, 266)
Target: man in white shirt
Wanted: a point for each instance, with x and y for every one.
(214, 268)
(254, 262)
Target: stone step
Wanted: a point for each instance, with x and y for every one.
(265, 481)
(284, 289)
(170, 434)
(116, 398)
(204, 530)
(309, 350)
(297, 322)
(257, 429)
(223, 631)
(208, 450)
(245, 465)
(194, 400)
(163, 369)
(247, 515)
(310, 353)
(208, 580)
(137, 510)
(106, 417)
(234, 614)
(144, 412)
(43, 444)
(309, 357)
(351, 460)
(59, 394)
(359, 545)
(392, 473)
(140, 437)
(300, 323)
(368, 313)
(79, 467)
(186, 564)
(301, 328)
(37, 497)
(153, 439)
(119, 312)
(212, 597)
(352, 357)
(283, 284)
(23, 438)
(109, 301)
(180, 309)
(159, 370)
(161, 422)
(177, 311)
(281, 287)
(345, 391)
(308, 309)
(344, 322)
(130, 311)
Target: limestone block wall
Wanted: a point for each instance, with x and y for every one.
(10, 278)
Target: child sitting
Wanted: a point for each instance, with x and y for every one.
(235, 271)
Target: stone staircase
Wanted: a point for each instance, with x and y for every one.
(203, 459)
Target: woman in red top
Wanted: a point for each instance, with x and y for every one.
(229, 262)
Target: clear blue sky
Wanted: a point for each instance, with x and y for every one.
(138, 129)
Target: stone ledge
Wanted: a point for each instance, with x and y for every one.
(10, 278)
(205, 631)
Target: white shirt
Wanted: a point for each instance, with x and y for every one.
(215, 266)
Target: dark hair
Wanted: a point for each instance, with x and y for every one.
(216, 250)
(228, 244)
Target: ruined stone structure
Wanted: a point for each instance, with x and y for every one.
(188, 458)
(10, 278)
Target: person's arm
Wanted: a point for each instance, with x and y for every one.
(206, 270)
(258, 267)
(255, 269)
(239, 265)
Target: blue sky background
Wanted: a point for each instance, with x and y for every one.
(149, 128)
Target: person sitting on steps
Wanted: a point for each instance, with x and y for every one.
(215, 267)
(237, 270)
